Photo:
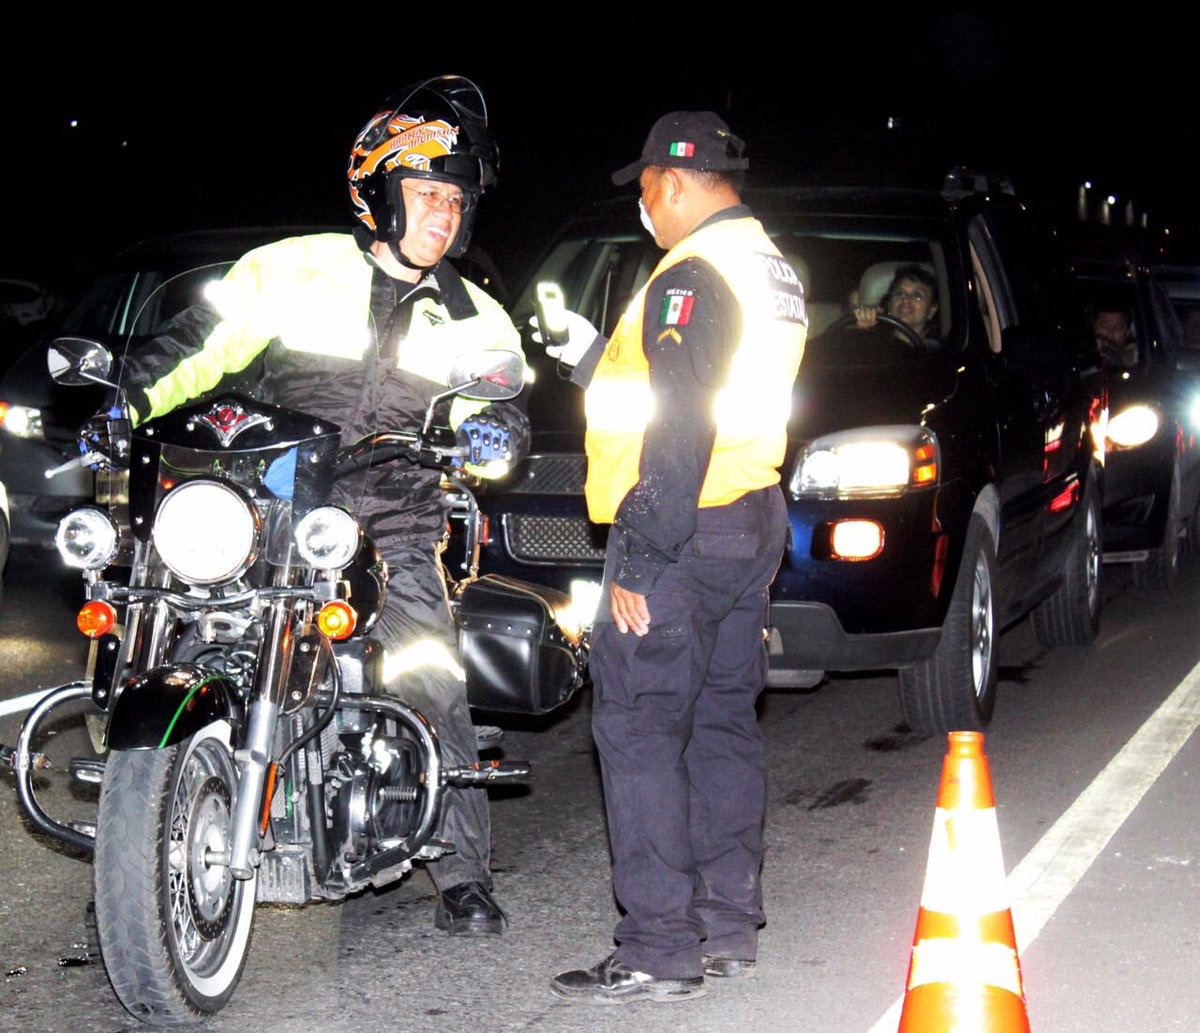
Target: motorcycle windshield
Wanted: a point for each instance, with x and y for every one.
(281, 462)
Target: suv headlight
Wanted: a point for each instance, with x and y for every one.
(1132, 426)
(87, 539)
(206, 532)
(867, 461)
(327, 538)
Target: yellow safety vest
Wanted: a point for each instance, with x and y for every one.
(752, 407)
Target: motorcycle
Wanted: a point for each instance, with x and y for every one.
(248, 751)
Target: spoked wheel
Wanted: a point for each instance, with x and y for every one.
(174, 925)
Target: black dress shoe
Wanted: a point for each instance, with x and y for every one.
(610, 982)
(469, 910)
(728, 968)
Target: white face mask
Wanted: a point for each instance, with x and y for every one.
(645, 217)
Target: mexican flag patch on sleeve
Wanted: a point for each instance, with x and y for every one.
(676, 307)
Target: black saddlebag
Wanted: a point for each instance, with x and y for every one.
(518, 648)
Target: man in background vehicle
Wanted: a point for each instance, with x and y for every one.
(1114, 337)
(362, 330)
(687, 408)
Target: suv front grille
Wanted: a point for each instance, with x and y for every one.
(549, 540)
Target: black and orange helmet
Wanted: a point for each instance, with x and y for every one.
(438, 129)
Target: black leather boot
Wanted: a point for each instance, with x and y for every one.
(469, 910)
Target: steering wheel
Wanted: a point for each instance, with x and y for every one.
(910, 336)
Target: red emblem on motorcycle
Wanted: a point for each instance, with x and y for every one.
(227, 419)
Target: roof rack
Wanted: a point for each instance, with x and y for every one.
(962, 181)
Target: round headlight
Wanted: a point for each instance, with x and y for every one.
(327, 538)
(87, 538)
(206, 532)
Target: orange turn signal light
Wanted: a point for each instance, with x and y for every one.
(95, 619)
(337, 620)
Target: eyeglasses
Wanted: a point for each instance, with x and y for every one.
(917, 296)
(435, 199)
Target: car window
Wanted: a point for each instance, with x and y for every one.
(599, 275)
(985, 300)
(126, 304)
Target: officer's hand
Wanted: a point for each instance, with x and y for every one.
(106, 436)
(580, 336)
(629, 610)
(486, 437)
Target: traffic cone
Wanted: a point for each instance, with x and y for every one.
(964, 974)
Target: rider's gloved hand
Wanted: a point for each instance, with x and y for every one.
(106, 434)
(487, 438)
(580, 337)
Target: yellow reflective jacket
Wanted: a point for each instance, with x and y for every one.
(753, 405)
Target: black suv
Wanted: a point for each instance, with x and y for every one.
(940, 487)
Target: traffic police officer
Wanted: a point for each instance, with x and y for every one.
(687, 407)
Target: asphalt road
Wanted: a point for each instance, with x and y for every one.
(1103, 881)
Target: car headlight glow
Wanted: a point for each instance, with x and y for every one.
(327, 538)
(1133, 426)
(87, 539)
(22, 421)
(868, 461)
(206, 532)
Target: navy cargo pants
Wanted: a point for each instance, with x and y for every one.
(681, 753)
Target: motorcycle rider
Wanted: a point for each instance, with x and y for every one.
(361, 329)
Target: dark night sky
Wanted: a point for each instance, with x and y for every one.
(212, 133)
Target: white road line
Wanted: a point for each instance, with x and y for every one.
(1041, 882)
(26, 702)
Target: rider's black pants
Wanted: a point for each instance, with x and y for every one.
(417, 632)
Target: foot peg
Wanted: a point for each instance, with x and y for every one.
(485, 772)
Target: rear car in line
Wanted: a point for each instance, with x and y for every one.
(1151, 513)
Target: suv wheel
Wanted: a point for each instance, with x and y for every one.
(1071, 616)
(955, 689)
(1162, 565)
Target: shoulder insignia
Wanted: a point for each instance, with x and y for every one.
(676, 307)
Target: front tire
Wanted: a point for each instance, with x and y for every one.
(955, 689)
(1071, 616)
(174, 929)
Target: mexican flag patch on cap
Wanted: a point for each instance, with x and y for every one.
(682, 149)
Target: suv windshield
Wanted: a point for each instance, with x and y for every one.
(897, 270)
